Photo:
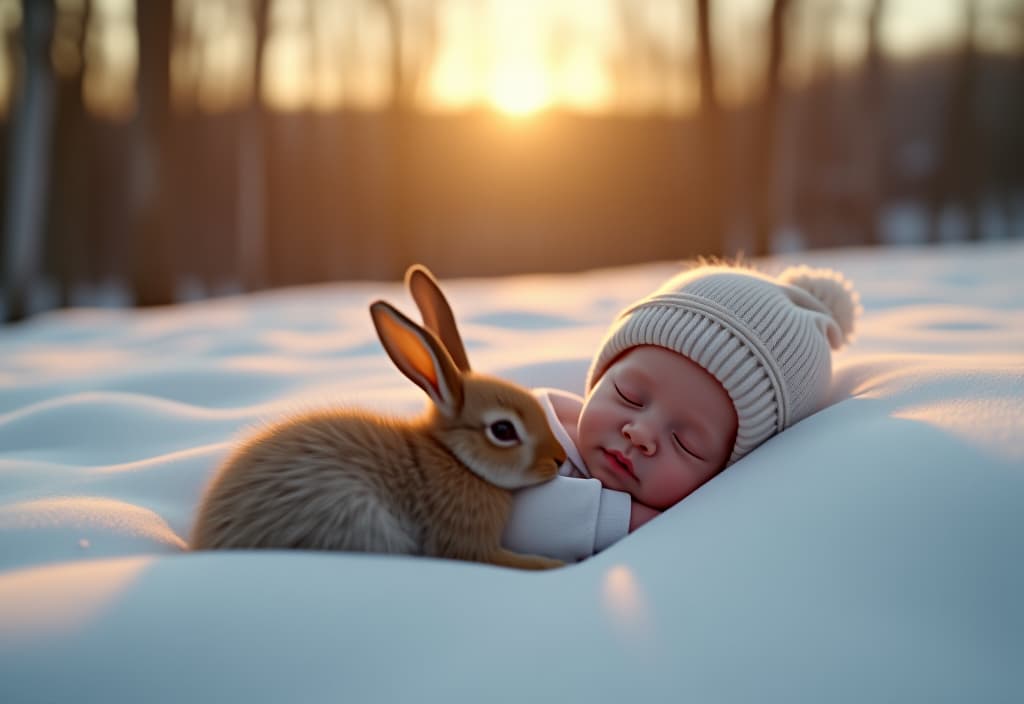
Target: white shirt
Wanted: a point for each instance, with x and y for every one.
(572, 516)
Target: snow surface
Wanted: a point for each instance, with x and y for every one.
(875, 551)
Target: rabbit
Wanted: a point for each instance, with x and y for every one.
(438, 485)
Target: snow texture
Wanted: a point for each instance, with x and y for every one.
(873, 552)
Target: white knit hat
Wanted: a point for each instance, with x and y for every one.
(765, 339)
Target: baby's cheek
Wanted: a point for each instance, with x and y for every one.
(582, 435)
(592, 429)
(584, 428)
(670, 487)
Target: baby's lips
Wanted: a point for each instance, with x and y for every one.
(623, 462)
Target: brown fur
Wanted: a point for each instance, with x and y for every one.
(354, 481)
(346, 480)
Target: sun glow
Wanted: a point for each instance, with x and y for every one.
(625, 602)
(520, 90)
(518, 58)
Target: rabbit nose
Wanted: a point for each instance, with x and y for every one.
(639, 438)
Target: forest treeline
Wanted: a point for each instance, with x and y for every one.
(170, 201)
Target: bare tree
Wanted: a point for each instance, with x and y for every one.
(763, 196)
(396, 40)
(154, 264)
(873, 129)
(409, 58)
(28, 177)
(705, 61)
(841, 129)
(1010, 158)
(710, 119)
(412, 29)
(956, 176)
(645, 66)
(252, 181)
(67, 231)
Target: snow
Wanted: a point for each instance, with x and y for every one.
(871, 552)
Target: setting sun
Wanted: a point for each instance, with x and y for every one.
(520, 90)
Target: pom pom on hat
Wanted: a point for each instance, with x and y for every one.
(834, 292)
(766, 340)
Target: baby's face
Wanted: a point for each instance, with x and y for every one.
(657, 426)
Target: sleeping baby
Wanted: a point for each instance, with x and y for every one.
(687, 380)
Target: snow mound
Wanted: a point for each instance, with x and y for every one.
(872, 552)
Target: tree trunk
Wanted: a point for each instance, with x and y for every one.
(710, 128)
(153, 254)
(67, 236)
(28, 177)
(955, 179)
(820, 140)
(873, 127)
(765, 138)
(397, 241)
(252, 165)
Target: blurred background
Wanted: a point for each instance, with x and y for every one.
(156, 151)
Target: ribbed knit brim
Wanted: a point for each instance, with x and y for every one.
(766, 342)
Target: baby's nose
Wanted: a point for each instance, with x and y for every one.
(639, 437)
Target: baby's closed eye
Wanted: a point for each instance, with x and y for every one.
(628, 396)
(688, 448)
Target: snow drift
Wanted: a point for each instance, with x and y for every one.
(874, 551)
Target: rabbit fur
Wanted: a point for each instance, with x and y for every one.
(349, 479)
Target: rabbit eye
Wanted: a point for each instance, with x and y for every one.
(503, 433)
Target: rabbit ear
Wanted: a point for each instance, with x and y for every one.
(420, 356)
(437, 314)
